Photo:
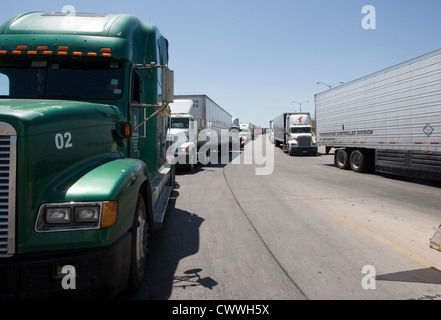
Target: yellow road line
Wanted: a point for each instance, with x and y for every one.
(373, 235)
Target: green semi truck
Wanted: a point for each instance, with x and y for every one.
(84, 175)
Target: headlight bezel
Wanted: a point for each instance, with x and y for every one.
(78, 219)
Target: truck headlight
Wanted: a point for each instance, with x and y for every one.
(58, 215)
(87, 214)
(75, 216)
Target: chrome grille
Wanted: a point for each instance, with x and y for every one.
(304, 141)
(8, 146)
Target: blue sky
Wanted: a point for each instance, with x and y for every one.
(255, 57)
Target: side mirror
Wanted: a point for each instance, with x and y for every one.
(167, 86)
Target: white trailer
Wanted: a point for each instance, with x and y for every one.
(201, 126)
(389, 121)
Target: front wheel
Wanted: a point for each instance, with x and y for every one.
(140, 238)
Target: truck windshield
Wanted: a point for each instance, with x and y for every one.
(180, 123)
(63, 79)
(300, 129)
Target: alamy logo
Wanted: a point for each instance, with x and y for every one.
(69, 21)
(69, 280)
(368, 281)
(369, 21)
(193, 146)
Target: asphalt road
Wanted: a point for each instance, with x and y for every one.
(291, 229)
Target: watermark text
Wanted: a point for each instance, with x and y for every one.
(369, 21)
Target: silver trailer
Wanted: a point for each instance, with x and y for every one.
(389, 121)
(207, 114)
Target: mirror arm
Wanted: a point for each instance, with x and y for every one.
(157, 111)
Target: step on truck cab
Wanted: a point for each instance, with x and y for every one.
(83, 122)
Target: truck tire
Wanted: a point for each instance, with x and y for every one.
(140, 238)
(192, 159)
(359, 161)
(341, 159)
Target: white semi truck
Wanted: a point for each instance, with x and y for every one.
(235, 135)
(198, 127)
(246, 132)
(293, 131)
(271, 131)
(389, 121)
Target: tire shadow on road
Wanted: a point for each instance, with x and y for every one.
(426, 275)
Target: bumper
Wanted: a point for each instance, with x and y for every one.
(183, 160)
(303, 150)
(99, 273)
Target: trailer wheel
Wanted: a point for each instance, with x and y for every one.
(341, 159)
(140, 237)
(359, 161)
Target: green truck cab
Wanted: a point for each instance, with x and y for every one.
(84, 176)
